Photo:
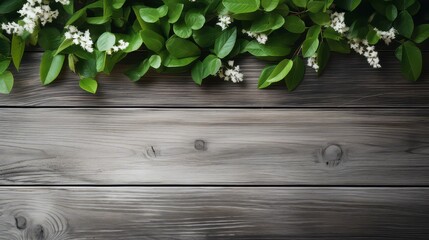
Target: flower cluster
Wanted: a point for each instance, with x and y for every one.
(224, 21)
(261, 37)
(232, 73)
(120, 46)
(79, 38)
(33, 12)
(387, 36)
(363, 48)
(312, 62)
(337, 22)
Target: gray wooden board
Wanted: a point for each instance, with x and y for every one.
(347, 82)
(214, 146)
(213, 213)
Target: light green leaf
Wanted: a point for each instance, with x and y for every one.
(266, 72)
(152, 40)
(6, 82)
(300, 3)
(155, 61)
(269, 5)
(309, 47)
(117, 4)
(281, 70)
(197, 72)
(88, 84)
(4, 64)
(106, 41)
(182, 30)
(269, 21)
(225, 42)
(194, 19)
(150, 15)
(241, 6)
(50, 67)
(17, 50)
(211, 65)
(175, 12)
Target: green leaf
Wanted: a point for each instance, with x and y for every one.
(372, 37)
(175, 12)
(315, 6)
(269, 5)
(50, 67)
(197, 73)
(267, 50)
(17, 50)
(340, 46)
(88, 84)
(182, 48)
(155, 61)
(280, 71)
(313, 31)
(178, 62)
(64, 45)
(69, 8)
(323, 55)
(391, 12)
(225, 43)
(206, 36)
(152, 40)
(139, 71)
(348, 5)
(411, 63)
(421, 33)
(182, 30)
(6, 82)
(149, 15)
(309, 47)
(404, 24)
(296, 75)
(4, 45)
(100, 60)
(106, 41)
(269, 21)
(266, 72)
(117, 4)
(241, 6)
(49, 38)
(4, 64)
(8, 6)
(162, 11)
(294, 24)
(300, 3)
(194, 19)
(320, 18)
(211, 65)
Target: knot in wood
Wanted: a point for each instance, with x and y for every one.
(39, 232)
(332, 155)
(20, 222)
(200, 145)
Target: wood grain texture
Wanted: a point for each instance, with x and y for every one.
(213, 213)
(347, 82)
(214, 146)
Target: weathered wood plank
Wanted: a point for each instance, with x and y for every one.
(214, 146)
(348, 82)
(214, 213)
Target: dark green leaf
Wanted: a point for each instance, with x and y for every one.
(241, 6)
(182, 48)
(294, 24)
(197, 72)
(323, 55)
(421, 33)
(404, 24)
(348, 5)
(411, 64)
(296, 75)
(17, 50)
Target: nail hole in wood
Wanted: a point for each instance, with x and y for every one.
(20, 222)
(200, 145)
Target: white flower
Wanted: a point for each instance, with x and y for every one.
(261, 37)
(337, 22)
(120, 46)
(362, 47)
(79, 38)
(224, 21)
(63, 2)
(33, 13)
(312, 62)
(387, 36)
(232, 73)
